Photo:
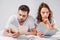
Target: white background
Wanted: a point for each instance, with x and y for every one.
(10, 7)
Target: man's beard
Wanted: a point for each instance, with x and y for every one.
(22, 21)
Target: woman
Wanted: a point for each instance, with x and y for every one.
(45, 17)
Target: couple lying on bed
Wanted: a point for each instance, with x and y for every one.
(24, 24)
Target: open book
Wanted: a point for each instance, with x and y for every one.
(42, 28)
(14, 28)
(21, 29)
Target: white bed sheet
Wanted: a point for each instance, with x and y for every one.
(30, 37)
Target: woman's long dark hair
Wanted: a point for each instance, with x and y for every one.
(39, 17)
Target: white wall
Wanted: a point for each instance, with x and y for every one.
(10, 7)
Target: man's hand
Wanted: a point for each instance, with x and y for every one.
(14, 35)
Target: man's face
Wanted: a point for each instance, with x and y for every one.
(22, 15)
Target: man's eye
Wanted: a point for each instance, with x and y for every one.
(23, 15)
(20, 14)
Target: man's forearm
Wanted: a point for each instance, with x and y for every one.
(5, 32)
(31, 33)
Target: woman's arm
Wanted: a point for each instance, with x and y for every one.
(40, 34)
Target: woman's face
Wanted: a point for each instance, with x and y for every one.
(44, 13)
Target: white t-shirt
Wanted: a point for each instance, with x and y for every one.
(13, 20)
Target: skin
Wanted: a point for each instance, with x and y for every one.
(45, 14)
(22, 16)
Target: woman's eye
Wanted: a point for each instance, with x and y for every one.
(47, 12)
(43, 12)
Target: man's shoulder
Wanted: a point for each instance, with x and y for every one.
(30, 17)
(13, 17)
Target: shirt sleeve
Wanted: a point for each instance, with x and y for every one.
(53, 22)
(7, 26)
(31, 22)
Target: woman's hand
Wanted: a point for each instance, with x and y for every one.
(49, 25)
(46, 21)
(40, 34)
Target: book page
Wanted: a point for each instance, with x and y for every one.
(14, 28)
(42, 28)
(23, 29)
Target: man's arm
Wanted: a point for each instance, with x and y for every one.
(6, 32)
(32, 32)
(10, 33)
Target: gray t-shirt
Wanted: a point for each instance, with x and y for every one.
(13, 20)
(41, 28)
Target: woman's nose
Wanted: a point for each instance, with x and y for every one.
(45, 14)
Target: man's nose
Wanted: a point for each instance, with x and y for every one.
(21, 17)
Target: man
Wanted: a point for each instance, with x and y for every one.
(21, 19)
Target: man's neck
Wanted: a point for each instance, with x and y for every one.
(21, 23)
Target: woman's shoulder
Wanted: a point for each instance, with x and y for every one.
(53, 21)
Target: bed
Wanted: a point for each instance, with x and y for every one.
(30, 37)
